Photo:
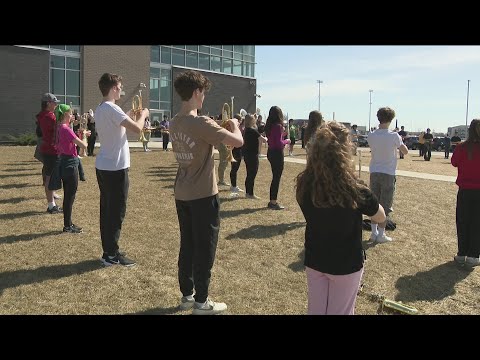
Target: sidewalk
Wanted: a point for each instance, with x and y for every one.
(157, 144)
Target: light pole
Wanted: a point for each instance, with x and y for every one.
(468, 91)
(370, 111)
(319, 82)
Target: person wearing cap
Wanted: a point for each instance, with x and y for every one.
(112, 164)
(427, 147)
(46, 121)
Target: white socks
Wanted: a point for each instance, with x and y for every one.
(374, 229)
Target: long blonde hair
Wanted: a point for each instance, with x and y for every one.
(329, 177)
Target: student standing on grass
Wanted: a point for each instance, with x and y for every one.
(253, 141)
(276, 144)
(333, 200)
(466, 158)
(315, 120)
(46, 121)
(66, 142)
(111, 166)
(196, 191)
(383, 166)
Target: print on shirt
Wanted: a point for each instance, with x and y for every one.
(182, 145)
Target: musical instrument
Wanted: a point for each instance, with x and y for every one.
(137, 108)
(399, 306)
(226, 115)
(83, 133)
(243, 113)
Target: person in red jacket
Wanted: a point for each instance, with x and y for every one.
(466, 158)
(46, 121)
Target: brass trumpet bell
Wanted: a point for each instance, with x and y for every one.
(226, 115)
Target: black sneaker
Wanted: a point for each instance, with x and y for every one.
(72, 229)
(275, 206)
(55, 210)
(117, 260)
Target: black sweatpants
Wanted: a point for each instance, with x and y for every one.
(276, 159)
(468, 222)
(199, 222)
(113, 206)
(237, 155)
(70, 186)
(251, 163)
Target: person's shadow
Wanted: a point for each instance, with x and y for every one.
(431, 285)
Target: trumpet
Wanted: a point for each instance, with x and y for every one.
(226, 115)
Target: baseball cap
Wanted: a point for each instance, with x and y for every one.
(50, 97)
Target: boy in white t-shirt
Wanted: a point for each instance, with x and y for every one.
(112, 164)
(383, 165)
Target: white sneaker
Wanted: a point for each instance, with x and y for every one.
(471, 261)
(186, 302)
(235, 189)
(383, 239)
(209, 307)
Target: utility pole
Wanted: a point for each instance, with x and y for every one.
(319, 82)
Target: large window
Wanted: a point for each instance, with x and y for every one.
(65, 74)
(160, 88)
(229, 59)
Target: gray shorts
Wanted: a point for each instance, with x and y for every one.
(383, 186)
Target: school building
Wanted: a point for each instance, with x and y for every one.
(71, 73)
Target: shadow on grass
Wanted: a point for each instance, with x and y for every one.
(18, 170)
(162, 178)
(298, 265)
(24, 162)
(231, 213)
(159, 311)
(11, 279)
(3, 176)
(263, 231)
(431, 285)
(16, 186)
(172, 186)
(14, 200)
(9, 239)
(21, 215)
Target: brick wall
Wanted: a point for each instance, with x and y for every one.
(24, 76)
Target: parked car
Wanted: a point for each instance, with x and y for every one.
(438, 144)
(362, 141)
(411, 142)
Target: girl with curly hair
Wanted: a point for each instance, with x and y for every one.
(333, 200)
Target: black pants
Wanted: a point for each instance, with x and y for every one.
(447, 152)
(237, 155)
(91, 144)
(199, 226)
(276, 161)
(113, 206)
(427, 151)
(70, 186)
(251, 163)
(165, 140)
(468, 220)
(421, 149)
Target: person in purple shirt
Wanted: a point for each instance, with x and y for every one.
(276, 143)
(66, 142)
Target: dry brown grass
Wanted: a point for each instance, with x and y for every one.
(258, 268)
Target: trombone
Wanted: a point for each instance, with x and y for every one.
(226, 115)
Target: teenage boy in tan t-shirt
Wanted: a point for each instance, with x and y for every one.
(196, 191)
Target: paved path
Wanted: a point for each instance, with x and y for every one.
(157, 144)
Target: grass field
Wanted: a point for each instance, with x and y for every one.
(258, 268)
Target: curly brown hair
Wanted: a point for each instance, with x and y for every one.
(329, 177)
(187, 82)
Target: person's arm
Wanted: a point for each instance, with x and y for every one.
(79, 143)
(403, 149)
(135, 126)
(455, 157)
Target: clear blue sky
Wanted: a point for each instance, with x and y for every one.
(425, 85)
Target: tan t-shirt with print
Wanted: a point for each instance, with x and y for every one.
(192, 140)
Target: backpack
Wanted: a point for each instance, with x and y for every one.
(367, 225)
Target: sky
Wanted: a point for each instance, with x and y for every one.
(425, 85)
